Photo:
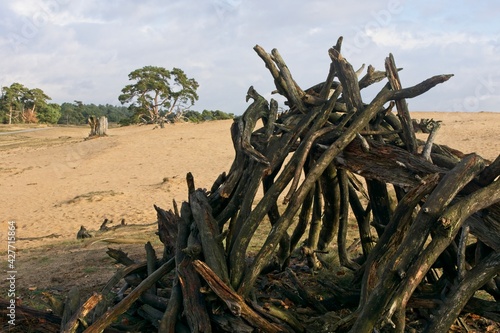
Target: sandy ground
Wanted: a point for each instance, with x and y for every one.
(53, 181)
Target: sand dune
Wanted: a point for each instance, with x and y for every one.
(54, 181)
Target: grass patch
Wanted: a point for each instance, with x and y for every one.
(90, 270)
(44, 260)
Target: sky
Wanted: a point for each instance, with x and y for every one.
(84, 50)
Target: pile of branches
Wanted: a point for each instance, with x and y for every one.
(428, 219)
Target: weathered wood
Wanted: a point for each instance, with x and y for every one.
(151, 263)
(461, 260)
(449, 225)
(348, 79)
(71, 305)
(270, 64)
(334, 150)
(491, 172)
(158, 302)
(238, 165)
(120, 256)
(190, 283)
(281, 317)
(276, 153)
(417, 234)
(233, 300)
(380, 203)
(209, 234)
(385, 163)
(98, 126)
(169, 319)
(460, 294)
(167, 230)
(151, 314)
(28, 318)
(304, 220)
(372, 76)
(238, 236)
(197, 315)
(230, 324)
(487, 309)
(304, 293)
(344, 220)
(295, 94)
(83, 233)
(426, 153)
(107, 318)
(259, 109)
(302, 160)
(314, 229)
(314, 149)
(401, 105)
(331, 197)
(274, 214)
(363, 220)
(72, 324)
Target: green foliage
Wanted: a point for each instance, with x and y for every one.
(157, 95)
(206, 115)
(71, 114)
(50, 113)
(193, 116)
(35, 99)
(18, 102)
(220, 115)
(157, 92)
(77, 113)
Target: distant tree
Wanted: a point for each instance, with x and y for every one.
(20, 104)
(220, 115)
(206, 115)
(193, 116)
(115, 114)
(33, 100)
(78, 113)
(50, 113)
(158, 92)
(12, 102)
(93, 110)
(71, 114)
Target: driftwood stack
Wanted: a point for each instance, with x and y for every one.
(428, 220)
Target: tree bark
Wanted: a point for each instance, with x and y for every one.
(98, 127)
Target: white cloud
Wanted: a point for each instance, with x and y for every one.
(407, 40)
(85, 49)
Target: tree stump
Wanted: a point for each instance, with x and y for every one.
(98, 127)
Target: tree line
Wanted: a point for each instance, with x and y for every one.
(156, 95)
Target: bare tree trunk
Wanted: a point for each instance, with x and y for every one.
(98, 127)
